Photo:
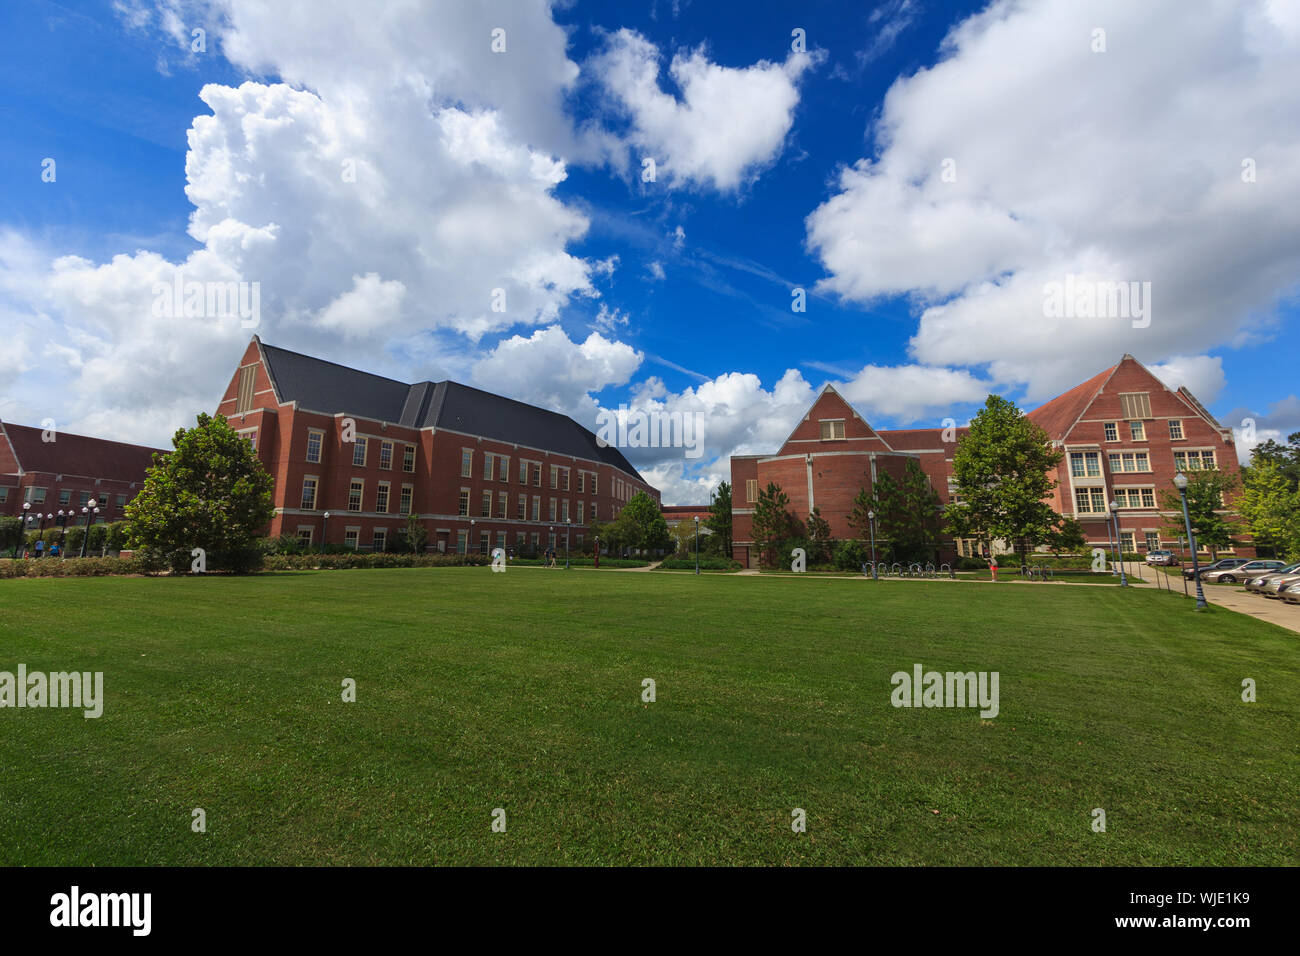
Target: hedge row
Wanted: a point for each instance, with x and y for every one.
(70, 567)
(708, 562)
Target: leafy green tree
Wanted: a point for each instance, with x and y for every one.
(641, 524)
(863, 504)
(1067, 537)
(773, 523)
(908, 513)
(417, 535)
(819, 536)
(1002, 472)
(1285, 457)
(211, 492)
(1270, 504)
(719, 521)
(1208, 493)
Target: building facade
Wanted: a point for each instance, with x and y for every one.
(58, 473)
(1123, 435)
(478, 470)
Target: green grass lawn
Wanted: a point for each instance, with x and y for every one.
(523, 691)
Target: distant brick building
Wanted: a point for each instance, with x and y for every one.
(479, 470)
(1123, 433)
(56, 471)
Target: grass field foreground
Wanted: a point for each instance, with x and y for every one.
(523, 691)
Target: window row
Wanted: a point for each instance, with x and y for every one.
(498, 507)
(356, 496)
(1137, 430)
(360, 450)
(1087, 464)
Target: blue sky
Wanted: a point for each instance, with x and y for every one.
(1120, 163)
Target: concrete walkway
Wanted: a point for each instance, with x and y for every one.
(1275, 611)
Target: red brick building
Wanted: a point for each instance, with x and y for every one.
(1123, 433)
(55, 471)
(481, 471)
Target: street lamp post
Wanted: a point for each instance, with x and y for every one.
(1180, 482)
(40, 531)
(697, 544)
(470, 544)
(871, 522)
(597, 550)
(568, 526)
(1123, 578)
(324, 530)
(89, 510)
(22, 529)
(1110, 542)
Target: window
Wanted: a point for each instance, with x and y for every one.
(304, 537)
(404, 506)
(386, 455)
(484, 541)
(1089, 501)
(408, 459)
(582, 482)
(537, 540)
(314, 440)
(1137, 431)
(552, 509)
(579, 540)
(537, 507)
(502, 504)
(593, 511)
(580, 512)
(594, 489)
(564, 479)
(520, 538)
(250, 434)
(244, 394)
(4, 496)
(65, 497)
(1085, 464)
(501, 540)
(85, 497)
(464, 503)
(462, 537)
(537, 476)
(466, 463)
(1194, 460)
(1112, 431)
(359, 449)
(522, 512)
(523, 472)
(751, 489)
(309, 494)
(555, 475)
(355, 491)
(1135, 497)
(1153, 540)
(381, 497)
(489, 460)
(121, 502)
(485, 505)
(1175, 429)
(564, 510)
(1126, 542)
(833, 430)
(503, 473)
(1129, 461)
(350, 536)
(379, 541)
(1135, 405)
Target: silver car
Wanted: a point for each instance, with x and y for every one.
(1248, 570)
(1292, 594)
(1259, 582)
(1281, 587)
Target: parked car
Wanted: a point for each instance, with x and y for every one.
(1280, 587)
(1166, 558)
(1259, 582)
(1220, 565)
(1292, 594)
(1233, 575)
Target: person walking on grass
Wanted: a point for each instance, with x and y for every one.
(40, 548)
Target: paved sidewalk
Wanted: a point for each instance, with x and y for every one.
(1274, 611)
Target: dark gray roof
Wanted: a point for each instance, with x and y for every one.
(331, 388)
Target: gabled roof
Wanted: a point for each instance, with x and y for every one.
(1059, 415)
(331, 388)
(78, 455)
